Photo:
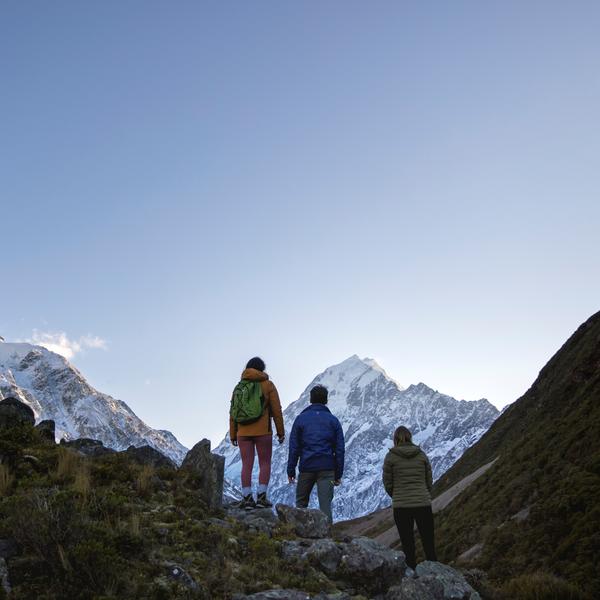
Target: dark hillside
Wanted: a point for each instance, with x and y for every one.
(538, 507)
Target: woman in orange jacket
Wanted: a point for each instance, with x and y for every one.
(258, 436)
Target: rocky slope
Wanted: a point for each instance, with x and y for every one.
(56, 390)
(86, 525)
(370, 405)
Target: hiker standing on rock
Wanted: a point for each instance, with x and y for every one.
(317, 440)
(408, 481)
(254, 403)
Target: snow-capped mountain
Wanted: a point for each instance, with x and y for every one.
(56, 390)
(370, 405)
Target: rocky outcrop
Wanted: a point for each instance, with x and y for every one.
(290, 595)
(454, 585)
(415, 589)
(147, 455)
(371, 565)
(47, 429)
(87, 446)
(362, 562)
(14, 413)
(306, 522)
(262, 520)
(208, 470)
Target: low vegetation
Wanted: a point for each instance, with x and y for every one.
(108, 527)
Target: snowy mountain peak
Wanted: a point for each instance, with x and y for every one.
(55, 389)
(370, 405)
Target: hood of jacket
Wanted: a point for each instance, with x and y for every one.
(254, 375)
(406, 450)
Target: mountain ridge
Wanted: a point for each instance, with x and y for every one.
(55, 389)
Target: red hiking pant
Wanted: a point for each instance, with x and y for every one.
(264, 449)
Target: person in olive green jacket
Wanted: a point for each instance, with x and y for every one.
(408, 481)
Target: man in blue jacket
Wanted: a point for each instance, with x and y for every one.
(317, 439)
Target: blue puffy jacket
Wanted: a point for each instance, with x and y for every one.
(317, 439)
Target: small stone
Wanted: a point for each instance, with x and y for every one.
(181, 576)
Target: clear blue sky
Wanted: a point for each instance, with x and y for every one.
(199, 182)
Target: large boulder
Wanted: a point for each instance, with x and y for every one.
(306, 522)
(323, 554)
(262, 520)
(416, 589)
(274, 595)
(14, 413)
(371, 565)
(147, 455)
(87, 446)
(454, 584)
(209, 468)
(47, 429)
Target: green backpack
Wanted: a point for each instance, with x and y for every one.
(247, 402)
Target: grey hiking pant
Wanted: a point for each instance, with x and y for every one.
(324, 481)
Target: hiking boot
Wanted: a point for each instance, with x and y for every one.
(262, 502)
(247, 502)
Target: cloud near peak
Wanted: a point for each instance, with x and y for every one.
(60, 343)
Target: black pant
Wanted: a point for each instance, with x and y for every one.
(405, 522)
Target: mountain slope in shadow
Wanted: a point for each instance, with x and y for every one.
(537, 507)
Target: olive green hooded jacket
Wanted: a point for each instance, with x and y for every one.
(407, 476)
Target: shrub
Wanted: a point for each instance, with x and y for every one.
(541, 586)
(68, 464)
(143, 481)
(6, 480)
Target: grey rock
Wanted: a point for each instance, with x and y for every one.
(47, 430)
(147, 455)
(14, 413)
(307, 522)
(87, 446)
(323, 554)
(210, 468)
(371, 565)
(262, 520)
(181, 576)
(275, 595)
(294, 549)
(455, 586)
(219, 523)
(415, 589)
